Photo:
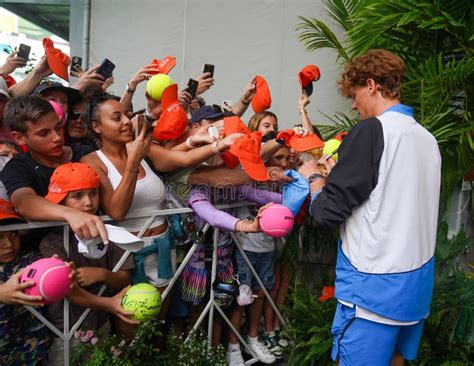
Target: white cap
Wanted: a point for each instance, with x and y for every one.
(94, 248)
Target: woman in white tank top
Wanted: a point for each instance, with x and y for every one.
(129, 185)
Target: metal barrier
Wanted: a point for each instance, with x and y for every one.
(68, 331)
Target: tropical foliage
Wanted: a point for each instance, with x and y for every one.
(436, 40)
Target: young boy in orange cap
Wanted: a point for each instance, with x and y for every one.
(76, 185)
(34, 123)
(23, 338)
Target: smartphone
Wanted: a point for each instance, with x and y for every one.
(76, 63)
(193, 87)
(106, 68)
(213, 132)
(209, 68)
(24, 51)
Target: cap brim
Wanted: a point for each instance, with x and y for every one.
(73, 95)
(56, 197)
(169, 96)
(234, 124)
(123, 239)
(196, 118)
(306, 143)
(256, 171)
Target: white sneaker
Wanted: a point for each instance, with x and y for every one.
(234, 357)
(262, 352)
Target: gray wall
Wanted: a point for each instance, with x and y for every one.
(242, 38)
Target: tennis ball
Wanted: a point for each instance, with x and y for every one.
(156, 84)
(143, 300)
(51, 278)
(330, 146)
(276, 220)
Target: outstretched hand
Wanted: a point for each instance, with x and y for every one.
(249, 91)
(11, 292)
(12, 63)
(115, 307)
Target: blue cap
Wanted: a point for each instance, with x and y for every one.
(209, 112)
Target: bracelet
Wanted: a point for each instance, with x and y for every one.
(189, 144)
(129, 90)
(131, 170)
(242, 101)
(313, 177)
(241, 222)
(302, 110)
(215, 148)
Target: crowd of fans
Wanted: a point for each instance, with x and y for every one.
(73, 153)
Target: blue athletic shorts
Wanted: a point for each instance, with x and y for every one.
(358, 341)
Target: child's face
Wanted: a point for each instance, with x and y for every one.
(280, 159)
(44, 137)
(57, 96)
(7, 151)
(86, 200)
(9, 246)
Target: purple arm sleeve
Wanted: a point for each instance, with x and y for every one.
(260, 196)
(199, 200)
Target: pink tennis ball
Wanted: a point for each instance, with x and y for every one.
(277, 220)
(51, 277)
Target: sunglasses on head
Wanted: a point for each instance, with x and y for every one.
(216, 108)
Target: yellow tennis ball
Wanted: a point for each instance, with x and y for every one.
(143, 300)
(156, 84)
(330, 146)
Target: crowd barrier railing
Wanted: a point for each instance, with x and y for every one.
(69, 331)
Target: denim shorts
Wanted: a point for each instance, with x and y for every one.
(361, 342)
(263, 264)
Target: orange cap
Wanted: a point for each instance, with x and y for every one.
(247, 149)
(235, 125)
(306, 76)
(262, 99)
(173, 119)
(295, 141)
(163, 66)
(71, 177)
(7, 211)
(57, 60)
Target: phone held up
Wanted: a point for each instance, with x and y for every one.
(24, 51)
(76, 64)
(192, 87)
(209, 68)
(106, 68)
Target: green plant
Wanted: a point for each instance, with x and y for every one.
(449, 330)
(195, 351)
(309, 328)
(112, 350)
(435, 38)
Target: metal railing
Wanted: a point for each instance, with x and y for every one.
(68, 331)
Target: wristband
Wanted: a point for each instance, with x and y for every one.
(215, 148)
(313, 177)
(242, 101)
(128, 89)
